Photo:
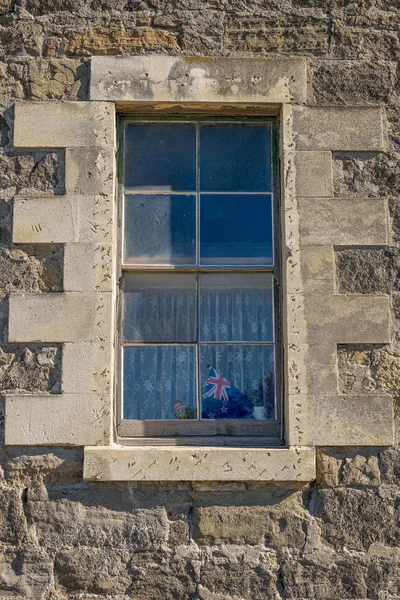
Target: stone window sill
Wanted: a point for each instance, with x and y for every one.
(170, 463)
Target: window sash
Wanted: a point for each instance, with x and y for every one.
(209, 431)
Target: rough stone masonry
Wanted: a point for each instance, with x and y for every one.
(336, 539)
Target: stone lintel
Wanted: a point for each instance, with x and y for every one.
(344, 129)
(342, 221)
(52, 125)
(345, 420)
(62, 219)
(194, 79)
(314, 178)
(63, 317)
(58, 420)
(166, 463)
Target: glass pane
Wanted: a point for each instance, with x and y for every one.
(236, 308)
(237, 382)
(235, 158)
(160, 229)
(159, 308)
(159, 382)
(160, 156)
(236, 229)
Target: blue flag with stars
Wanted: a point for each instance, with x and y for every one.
(222, 400)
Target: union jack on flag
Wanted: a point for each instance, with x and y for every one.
(222, 400)
(218, 388)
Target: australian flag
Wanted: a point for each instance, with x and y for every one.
(222, 400)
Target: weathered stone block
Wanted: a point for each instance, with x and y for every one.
(37, 466)
(353, 81)
(66, 419)
(389, 464)
(89, 171)
(34, 369)
(67, 317)
(367, 271)
(229, 576)
(347, 319)
(88, 267)
(199, 464)
(175, 79)
(13, 525)
(320, 375)
(356, 518)
(45, 220)
(314, 174)
(317, 270)
(86, 368)
(64, 125)
(349, 421)
(384, 574)
(174, 577)
(94, 519)
(276, 521)
(62, 219)
(343, 221)
(305, 579)
(93, 570)
(348, 467)
(338, 129)
(117, 40)
(25, 573)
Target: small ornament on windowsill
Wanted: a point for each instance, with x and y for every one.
(183, 411)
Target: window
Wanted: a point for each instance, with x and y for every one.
(199, 281)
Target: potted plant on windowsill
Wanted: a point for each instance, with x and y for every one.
(256, 396)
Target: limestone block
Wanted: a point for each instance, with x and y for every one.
(25, 573)
(314, 177)
(247, 524)
(317, 271)
(343, 222)
(95, 570)
(88, 268)
(176, 79)
(350, 467)
(64, 317)
(352, 129)
(296, 419)
(348, 319)
(89, 171)
(13, 525)
(45, 220)
(45, 125)
(318, 372)
(199, 464)
(66, 419)
(86, 368)
(341, 420)
(62, 219)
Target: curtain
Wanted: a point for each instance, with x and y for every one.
(160, 381)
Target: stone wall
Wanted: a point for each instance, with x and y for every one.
(339, 538)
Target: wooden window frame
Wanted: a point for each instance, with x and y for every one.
(204, 432)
